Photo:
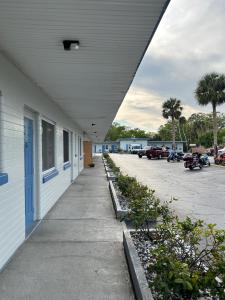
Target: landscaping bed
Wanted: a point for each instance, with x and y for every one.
(120, 207)
(178, 259)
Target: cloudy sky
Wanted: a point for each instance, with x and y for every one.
(189, 42)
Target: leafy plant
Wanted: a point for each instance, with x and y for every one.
(111, 164)
(126, 184)
(188, 260)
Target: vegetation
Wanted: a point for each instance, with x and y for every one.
(211, 89)
(185, 259)
(172, 109)
(111, 164)
(200, 128)
(118, 131)
(193, 266)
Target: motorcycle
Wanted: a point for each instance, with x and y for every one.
(220, 159)
(205, 160)
(193, 161)
(175, 156)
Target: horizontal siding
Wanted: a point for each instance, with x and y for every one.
(17, 92)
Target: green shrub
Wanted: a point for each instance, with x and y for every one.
(105, 155)
(188, 260)
(111, 164)
(126, 184)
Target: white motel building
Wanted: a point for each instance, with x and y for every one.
(65, 68)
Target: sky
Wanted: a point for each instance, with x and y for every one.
(189, 42)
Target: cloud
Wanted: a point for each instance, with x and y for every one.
(143, 109)
(188, 43)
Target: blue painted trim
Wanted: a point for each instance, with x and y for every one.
(66, 165)
(50, 175)
(4, 178)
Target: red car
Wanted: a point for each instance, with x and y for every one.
(156, 152)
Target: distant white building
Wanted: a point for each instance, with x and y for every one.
(125, 143)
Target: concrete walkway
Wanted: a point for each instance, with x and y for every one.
(76, 252)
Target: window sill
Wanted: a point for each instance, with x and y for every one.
(66, 165)
(3, 178)
(48, 176)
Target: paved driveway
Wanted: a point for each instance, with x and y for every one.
(201, 193)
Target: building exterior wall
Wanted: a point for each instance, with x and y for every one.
(124, 144)
(18, 93)
(97, 148)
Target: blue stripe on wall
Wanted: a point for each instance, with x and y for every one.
(3, 178)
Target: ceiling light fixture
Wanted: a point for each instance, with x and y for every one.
(71, 45)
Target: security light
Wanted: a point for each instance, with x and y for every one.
(71, 45)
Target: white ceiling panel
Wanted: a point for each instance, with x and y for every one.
(89, 84)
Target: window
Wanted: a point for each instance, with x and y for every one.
(48, 145)
(65, 146)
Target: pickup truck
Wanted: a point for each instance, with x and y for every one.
(156, 152)
(142, 152)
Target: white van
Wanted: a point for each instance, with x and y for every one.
(134, 148)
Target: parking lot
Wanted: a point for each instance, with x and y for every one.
(200, 193)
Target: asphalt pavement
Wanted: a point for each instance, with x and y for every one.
(200, 193)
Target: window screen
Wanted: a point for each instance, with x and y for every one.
(48, 146)
(65, 146)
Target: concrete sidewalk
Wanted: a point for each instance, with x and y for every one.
(76, 252)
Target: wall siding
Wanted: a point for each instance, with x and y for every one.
(19, 92)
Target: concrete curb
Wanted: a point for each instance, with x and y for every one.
(120, 213)
(140, 284)
(111, 175)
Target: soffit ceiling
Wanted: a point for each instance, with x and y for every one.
(88, 84)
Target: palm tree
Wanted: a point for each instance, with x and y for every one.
(172, 109)
(211, 89)
(182, 123)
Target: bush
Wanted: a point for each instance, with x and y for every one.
(188, 260)
(126, 184)
(111, 164)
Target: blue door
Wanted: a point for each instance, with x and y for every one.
(29, 174)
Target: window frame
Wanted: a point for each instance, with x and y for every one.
(68, 161)
(45, 172)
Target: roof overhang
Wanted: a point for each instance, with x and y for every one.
(90, 83)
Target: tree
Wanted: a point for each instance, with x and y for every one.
(118, 131)
(182, 123)
(172, 109)
(211, 89)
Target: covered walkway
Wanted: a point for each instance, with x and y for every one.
(76, 252)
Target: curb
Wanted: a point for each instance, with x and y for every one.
(140, 284)
(111, 176)
(120, 213)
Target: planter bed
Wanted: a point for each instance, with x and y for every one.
(111, 175)
(136, 247)
(120, 207)
(137, 273)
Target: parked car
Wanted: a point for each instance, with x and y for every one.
(134, 148)
(156, 152)
(142, 152)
